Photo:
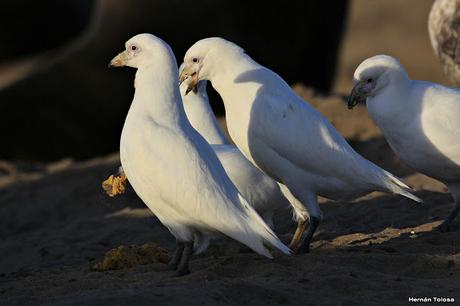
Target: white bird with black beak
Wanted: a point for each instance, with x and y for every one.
(173, 169)
(420, 120)
(284, 136)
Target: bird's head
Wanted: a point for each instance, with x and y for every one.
(186, 86)
(140, 50)
(203, 59)
(373, 75)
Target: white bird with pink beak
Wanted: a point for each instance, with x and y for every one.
(173, 169)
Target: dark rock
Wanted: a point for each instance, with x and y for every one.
(75, 106)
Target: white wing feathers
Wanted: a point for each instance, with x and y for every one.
(219, 206)
(307, 139)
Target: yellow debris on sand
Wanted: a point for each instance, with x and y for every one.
(115, 185)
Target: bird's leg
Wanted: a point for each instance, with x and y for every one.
(305, 244)
(299, 197)
(295, 242)
(445, 225)
(174, 261)
(183, 268)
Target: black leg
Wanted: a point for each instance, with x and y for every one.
(305, 245)
(445, 226)
(183, 268)
(174, 262)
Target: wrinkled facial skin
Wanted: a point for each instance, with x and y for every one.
(360, 92)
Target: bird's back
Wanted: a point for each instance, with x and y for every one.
(286, 134)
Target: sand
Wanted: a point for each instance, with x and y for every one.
(64, 242)
(58, 225)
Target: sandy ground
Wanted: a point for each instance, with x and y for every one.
(57, 225)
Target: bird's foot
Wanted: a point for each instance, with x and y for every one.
(296, 241)
(304, 249)
(166, 267)
(443, 227)
(300, 249)
(304, 245)
(115, 185)
(180, 272)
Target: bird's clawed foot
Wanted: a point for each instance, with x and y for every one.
(180, 260)
(166, 267)
(301, 241)
(179, 273)
(296, 239)
(444, 227)
(303, 246)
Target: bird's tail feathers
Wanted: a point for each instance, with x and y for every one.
(263, 233)
(395, 185)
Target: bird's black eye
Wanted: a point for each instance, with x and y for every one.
(133, 48)
(195, 60)
(369, 80)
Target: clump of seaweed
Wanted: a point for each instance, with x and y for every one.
(124, 257)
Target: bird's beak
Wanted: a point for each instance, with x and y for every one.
(188, 73)
(357, 95)
(120, 60)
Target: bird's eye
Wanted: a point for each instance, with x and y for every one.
(369, 80)
(133, 48)
(195, 60)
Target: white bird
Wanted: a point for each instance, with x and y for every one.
(200, 114)
(284, 136)
(260, 190)
(173, 169)
(420, 120)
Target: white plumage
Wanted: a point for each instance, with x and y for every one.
(200, 114)
(282, 135)
(172, 168)
(420, 120)
(260, 190)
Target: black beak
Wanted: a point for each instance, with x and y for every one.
(191, 87)
(356, 96)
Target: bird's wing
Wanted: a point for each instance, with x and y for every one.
(298, 132)
(260, 190)
(206, 198)
(301, 135)
(439, 118)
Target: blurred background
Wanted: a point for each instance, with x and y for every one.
(58, 98)
(62, 111)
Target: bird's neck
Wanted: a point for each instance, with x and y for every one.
(202, 117)
(230, 70)
(157, 94)
(389, 107)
